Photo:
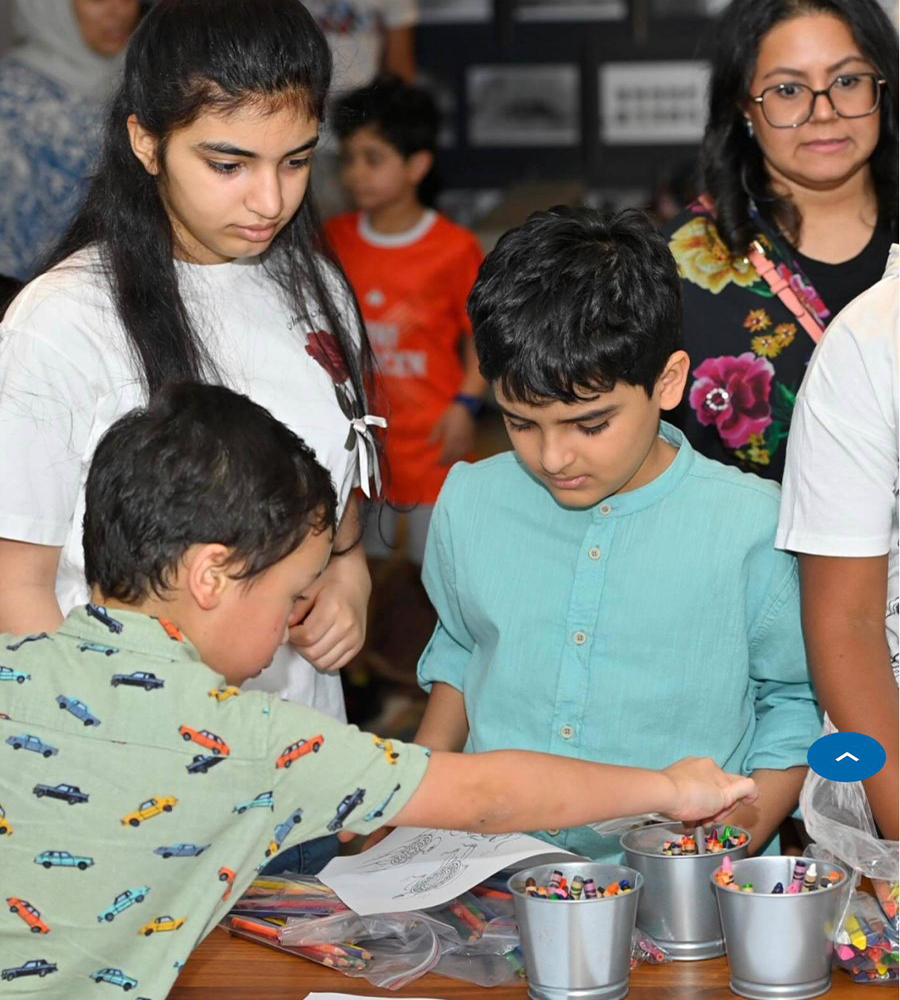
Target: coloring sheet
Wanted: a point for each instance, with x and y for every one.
(413, 869)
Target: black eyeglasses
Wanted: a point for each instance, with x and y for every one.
(790, 105)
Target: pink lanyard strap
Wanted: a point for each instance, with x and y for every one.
(779, 284)
(780, 287)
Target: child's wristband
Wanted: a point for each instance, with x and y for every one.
(474, 404)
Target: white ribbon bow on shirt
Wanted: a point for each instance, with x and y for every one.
(365, 441)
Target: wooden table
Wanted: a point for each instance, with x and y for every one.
(227, 968)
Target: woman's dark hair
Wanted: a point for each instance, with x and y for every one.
(404, 116)
(732, 163)
(574, 301)
(200, 464)
(188, 57)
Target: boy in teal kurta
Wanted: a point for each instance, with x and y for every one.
(605, 592)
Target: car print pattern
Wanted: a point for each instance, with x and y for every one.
(16, 646)
(140, 678)
(78, 709)
(34, 967)
(28, 742)
(201, 764)
(217, 750)
(8, 674)
(67, 793)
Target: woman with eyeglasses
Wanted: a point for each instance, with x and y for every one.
(799, 165)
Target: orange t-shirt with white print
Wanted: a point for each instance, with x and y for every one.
(412, 288)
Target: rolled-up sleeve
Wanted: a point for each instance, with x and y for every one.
(787, 715)
(450, 649)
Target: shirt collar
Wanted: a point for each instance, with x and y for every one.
(657, 489)
(129, 630)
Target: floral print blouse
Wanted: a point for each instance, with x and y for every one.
(748, 352)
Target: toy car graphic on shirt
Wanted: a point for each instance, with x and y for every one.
(97, 647)
(388, 748)
(294, 751)
(378, 811)
(206, 739)
(68, 793)
(282, 830)
(171, 629)
(140, 678)
(265, 800)
(150, 808)
(346, 806)
(78, 709)
(181, 850)
(5, 825)
(115, 977)
(28, 638)
(201, 764)
(28, 742)
(19, 676)
(123, 901)
(161, 924)
(103, 616)
(30, 914)
(227, 875)
(63, 859)
(223, 694)
(36, 967)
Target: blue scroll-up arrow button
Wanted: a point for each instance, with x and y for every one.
(846, 757)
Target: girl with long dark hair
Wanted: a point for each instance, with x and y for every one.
(196, 255)
(800, 172)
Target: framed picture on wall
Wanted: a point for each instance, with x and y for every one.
(571, 10)
(455, 11)
(653, 103)
(524, 105)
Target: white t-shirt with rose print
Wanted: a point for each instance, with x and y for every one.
(66, 374)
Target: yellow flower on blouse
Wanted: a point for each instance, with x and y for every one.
(785, 333)
(755, 451)
(770, 345)
(704, 259)
(757, 320)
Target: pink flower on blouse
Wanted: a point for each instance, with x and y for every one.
(733, 393)
(806, 293)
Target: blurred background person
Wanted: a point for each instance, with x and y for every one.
(799, 166)
(367, 37)
(412, 270)
(53, 83)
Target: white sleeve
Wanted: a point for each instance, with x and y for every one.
(399, 13)
(46, 411)
(841, 467)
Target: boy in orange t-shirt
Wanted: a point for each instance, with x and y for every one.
(412, 270)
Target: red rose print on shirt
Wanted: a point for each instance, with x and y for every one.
(325, 348)
(733, 393)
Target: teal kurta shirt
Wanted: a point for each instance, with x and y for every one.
(657, 624)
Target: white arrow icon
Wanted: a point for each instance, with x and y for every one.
(845, 755)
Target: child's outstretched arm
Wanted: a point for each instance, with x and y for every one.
(512, 790)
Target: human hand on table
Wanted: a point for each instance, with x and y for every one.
(703, 792)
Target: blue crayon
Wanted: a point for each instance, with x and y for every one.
(779, 888)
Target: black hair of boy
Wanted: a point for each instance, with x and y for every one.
(404, 116)
(200, 464)
(574, 301)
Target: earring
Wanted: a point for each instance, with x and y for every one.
(749, 126)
